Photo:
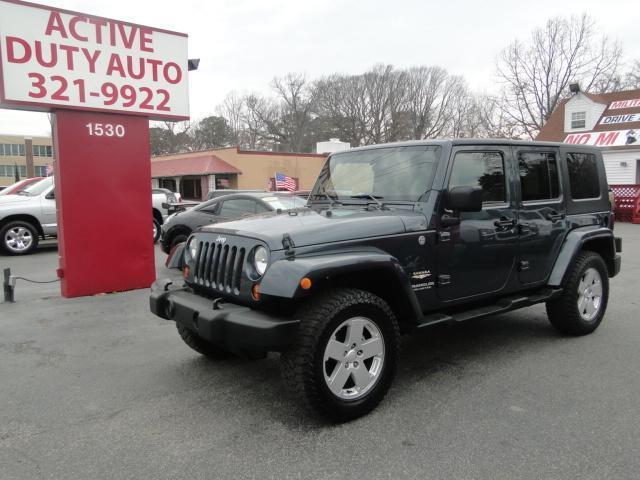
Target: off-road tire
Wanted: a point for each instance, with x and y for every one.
(563, 311)
(302, 365)
(24, 224)
(200, 345)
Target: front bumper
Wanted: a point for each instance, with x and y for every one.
(230, 326)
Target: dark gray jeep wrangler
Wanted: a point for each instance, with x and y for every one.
(395, 238)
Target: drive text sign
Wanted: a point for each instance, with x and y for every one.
(52, 58)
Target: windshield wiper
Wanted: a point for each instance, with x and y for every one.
(372, 197)
(325, 194)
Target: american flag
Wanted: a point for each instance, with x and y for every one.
(283, 181)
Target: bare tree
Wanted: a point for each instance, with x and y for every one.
(295, 106)
(170, 137)
(232, 109)
(632, 78)
(432, 96)
(536, 74)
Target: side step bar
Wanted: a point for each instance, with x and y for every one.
(503, 305)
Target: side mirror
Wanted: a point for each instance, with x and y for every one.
(464, 199)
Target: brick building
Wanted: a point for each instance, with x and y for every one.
(193, 174)
(18, 152)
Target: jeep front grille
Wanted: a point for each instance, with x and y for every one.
(219, 266)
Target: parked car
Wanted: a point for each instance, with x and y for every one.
(396, 238)
(30, 215)
(219, 193)
(162, 200)
(19, 185)
(179, 226)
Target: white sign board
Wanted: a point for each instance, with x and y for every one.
(611, 138)
(57, 59)
(635, 102)
(631, 117)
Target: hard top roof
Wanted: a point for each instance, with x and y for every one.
(460, 141)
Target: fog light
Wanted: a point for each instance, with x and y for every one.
(305, 283)
(255, 291)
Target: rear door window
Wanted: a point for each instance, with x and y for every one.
(583, 175)
(538, 176)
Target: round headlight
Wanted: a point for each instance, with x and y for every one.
(192, 247)
(260, 260)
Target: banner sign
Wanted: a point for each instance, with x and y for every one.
(57, 59)
(625, 104)
(632, 117)
(612, 138)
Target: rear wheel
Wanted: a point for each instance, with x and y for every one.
(582, 305)
(345, 356)
(19, 237)
(200, 345)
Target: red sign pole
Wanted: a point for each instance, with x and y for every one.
(103, 196)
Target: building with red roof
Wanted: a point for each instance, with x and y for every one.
(610, 121)
(194, 174)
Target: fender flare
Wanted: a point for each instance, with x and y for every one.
(572, 245)
(282, 279)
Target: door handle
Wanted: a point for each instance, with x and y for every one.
(554, 216)
(505, 222)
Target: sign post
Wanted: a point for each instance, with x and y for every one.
(103, 79)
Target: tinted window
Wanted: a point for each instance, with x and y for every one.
(538, 175)
(583, 175)
(482, 169)
(212, 209)
(237, 207)
(261, 208)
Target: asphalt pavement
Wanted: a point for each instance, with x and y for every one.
(99, 388)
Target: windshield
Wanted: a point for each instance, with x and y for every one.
(392, 174)
(37, 188)
(284, 203)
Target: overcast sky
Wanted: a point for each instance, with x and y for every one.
(243, 44)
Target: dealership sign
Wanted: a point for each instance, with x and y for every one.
(632, 117)
(635, 102)
(612, 138)
(56, 59)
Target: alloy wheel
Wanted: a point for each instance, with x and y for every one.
(353, 358)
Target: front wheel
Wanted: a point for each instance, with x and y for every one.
(19, 237)
(582, 305)
(345, 355)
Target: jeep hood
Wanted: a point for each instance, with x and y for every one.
(313, 227)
